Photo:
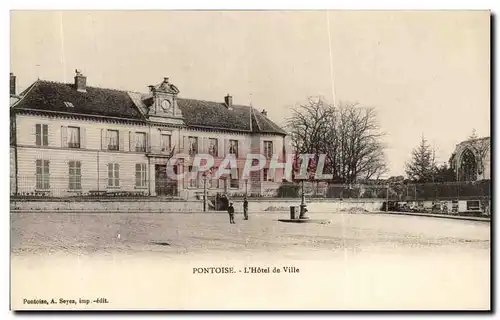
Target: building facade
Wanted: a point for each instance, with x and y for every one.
(471, 159)
(69, 139)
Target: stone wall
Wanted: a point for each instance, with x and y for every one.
(111, 206)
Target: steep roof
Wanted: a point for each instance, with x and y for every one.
(200, 113)
(482, 139)
(53, 96)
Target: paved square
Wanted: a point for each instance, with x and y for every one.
(355, 261)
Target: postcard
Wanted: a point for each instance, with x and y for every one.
(250, 160)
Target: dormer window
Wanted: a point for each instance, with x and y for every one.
(68, 104)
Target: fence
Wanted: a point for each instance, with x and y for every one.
(466, 190)
(68, 187)
(40, 187)
(392, 192)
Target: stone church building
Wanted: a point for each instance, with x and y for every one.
(72, 138)
(471, 159)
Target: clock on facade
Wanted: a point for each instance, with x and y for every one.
(165, 105)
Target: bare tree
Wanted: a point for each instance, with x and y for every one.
(348, 135)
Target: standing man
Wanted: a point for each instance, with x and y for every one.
(230, 210)
(245, 208)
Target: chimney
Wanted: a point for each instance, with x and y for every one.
(12, 84)
(229, 101)
(264, 112)
(80, 82)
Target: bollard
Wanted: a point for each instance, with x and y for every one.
(292, 212)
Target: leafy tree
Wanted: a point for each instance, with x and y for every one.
(444, 173)
(421, 167)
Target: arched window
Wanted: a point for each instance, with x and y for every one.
(468, 166)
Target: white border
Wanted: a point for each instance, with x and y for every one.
(179, 5)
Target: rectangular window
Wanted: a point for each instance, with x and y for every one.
(473, 205)
(165, 140)
(140, 175)
(193, 177)
(212, 147)
(73, 137)
(42, 174)
(42, 135)
(193, 145)
(113, 142)
(113, 175)
(233, 147)
(235, 182)
(268, 149)
(140, 142)
(75, 175)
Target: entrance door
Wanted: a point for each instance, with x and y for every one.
(165, 185)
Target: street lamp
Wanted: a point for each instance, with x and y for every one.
(204, 192)
(246, 188)
(303, 198)
(302, 203)
(387, 198)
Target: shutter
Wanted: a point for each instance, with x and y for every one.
(185, 177)
(242, 149)
(38, 165)
(38, 134)
(130, 141)
(45, 134)
(33, 132)
(226, 147)
(121, 139)
(220, 147)
(64, 137)
(147, 141)
(186, 144)
(83, 138)
(138, 174)
(207, 144)
(104, 139)
(110, 170)
(203, 145)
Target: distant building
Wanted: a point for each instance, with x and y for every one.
(471, 159)
(70, 138)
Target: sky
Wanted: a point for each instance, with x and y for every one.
(426, 73)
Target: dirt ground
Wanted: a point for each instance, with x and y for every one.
(357, 261)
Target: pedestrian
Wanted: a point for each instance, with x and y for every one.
(245, 208)
(230, 210)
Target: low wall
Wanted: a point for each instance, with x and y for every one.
(271, 205)
(313, 205)
(111, 206)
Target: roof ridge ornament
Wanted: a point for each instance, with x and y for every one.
(165, 86)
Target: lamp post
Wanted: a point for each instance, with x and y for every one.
(302, 203)
(387, 198)
(303, 199)
(246, 188)
(204, 192)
